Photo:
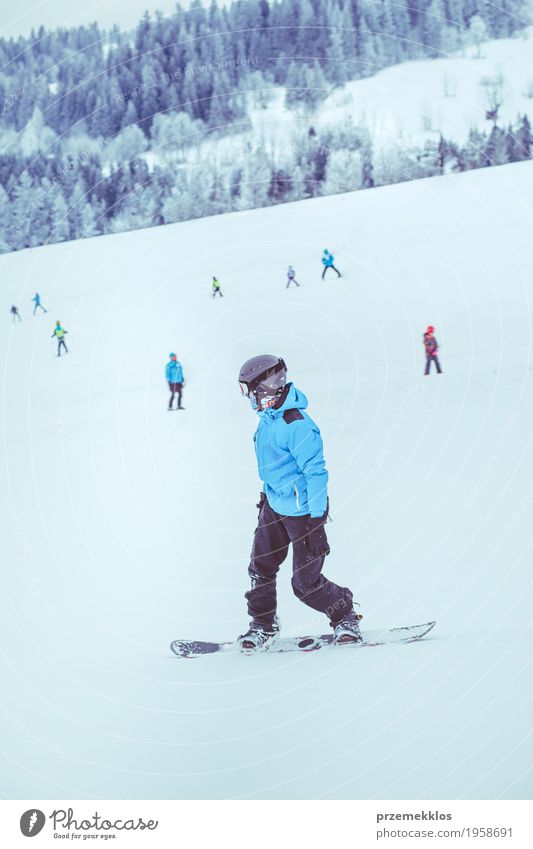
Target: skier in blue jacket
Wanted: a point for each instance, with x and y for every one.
(327, 262)
(174, 376)
(37, 301)
(293, 507)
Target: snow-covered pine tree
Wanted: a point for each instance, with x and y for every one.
(344, 172)
(19, 231)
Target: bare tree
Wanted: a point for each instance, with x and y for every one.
(494, 94)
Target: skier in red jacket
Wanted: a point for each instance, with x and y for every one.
(432, 347)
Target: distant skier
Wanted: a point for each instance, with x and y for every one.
(15, 313)
(216, 288)
(432, 347)
(174, 376)
(327, 262)
(37, 301)
(291, 276)
(293, 508)
(59, 334)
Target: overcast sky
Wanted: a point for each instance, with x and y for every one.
(17, 17)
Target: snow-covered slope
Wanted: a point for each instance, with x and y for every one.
(405, 105)
(125, 526)
(412, 102)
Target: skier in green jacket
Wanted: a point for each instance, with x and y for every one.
(59, 334)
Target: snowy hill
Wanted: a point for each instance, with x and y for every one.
(413, 102)
(125, 526)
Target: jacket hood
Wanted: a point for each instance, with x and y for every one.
(295, 400)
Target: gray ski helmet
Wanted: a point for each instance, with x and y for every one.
(262, 378)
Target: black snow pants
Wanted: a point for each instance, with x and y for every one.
(334, 269)
(272, 538)
(432, 359)
(175, 389)
(61, 344)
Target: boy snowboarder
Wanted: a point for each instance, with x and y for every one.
(216, 288)
(37, 301)
(15, 313)
(327, 262)
(432, 347)
(291, 276)
(293, 508)
(59, 333)
(174, 376)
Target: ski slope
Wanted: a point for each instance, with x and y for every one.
(413, 102)
(404, 105)
(125, 526)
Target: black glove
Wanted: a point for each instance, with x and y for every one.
(261, 503)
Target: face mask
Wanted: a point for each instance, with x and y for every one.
(266, 402)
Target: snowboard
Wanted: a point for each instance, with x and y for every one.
(406, 634)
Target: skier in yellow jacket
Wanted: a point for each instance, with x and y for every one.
(59, 334)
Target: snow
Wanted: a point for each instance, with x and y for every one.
(408, 102)
(125, 526)
(413, 102)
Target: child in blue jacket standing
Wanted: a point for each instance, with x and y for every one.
(293, 508)
(174, 376)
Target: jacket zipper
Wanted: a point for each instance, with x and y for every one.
(297, 494)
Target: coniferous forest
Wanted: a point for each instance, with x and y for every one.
(105, 131)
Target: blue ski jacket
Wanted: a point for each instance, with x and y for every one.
(174, 372)
(327, 259)
(37, 298)
(290, 458)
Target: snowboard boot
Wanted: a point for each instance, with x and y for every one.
(347, 629)
(259, 637)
